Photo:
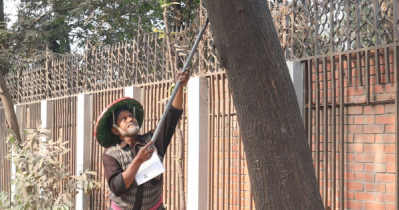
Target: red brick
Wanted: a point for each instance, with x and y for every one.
(364, 138)
(390, 188)
(384, 158)
(384, 96)
(377, 89)
(355, 167)
(390, 206)
(354, 110)
(369, 167)
(357, 186)
(364, 119)
(385, 119)
(368, 177)
(374, 206)
(390, 148)
(363, 158)
(391, 168)
(385, 197)
(385, 138)
(355, 148)
(364, 196)
(354, 91)
(355, 129)
(370, 187)
(389, 128)
(353, 205)
(390, 108)
(374, 148)
(373, 128)
(385, 178)
(379, 109)
(349, 176)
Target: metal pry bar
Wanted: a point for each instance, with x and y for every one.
(172, 97)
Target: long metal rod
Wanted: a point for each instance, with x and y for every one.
(333, 135)
(325, 132)
(169, 104)
(341, 132)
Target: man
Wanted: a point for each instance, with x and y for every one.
(117, 130)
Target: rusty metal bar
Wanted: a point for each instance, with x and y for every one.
(375, 8)
(223, 129)
(386, 60)
(210, 143)
(349, 63)
(325, 132)
(396, 80)
(359, 69)
(377, 66)
(333, 134)
(305, 97)
(342, 121)
(310, 104)
(218, 139)
(395, 18)
(317, 122)
(367, 75)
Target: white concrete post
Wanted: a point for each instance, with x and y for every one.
(296, 72)
(133, 92)
(46, 114)
(197, 143)
(83, 137)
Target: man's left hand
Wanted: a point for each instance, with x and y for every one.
(183, 78)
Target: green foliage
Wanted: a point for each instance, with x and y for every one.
(41, 173)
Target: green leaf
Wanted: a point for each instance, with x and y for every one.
(92, 173)
(168, 4)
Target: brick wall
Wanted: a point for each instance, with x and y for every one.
(369, 136)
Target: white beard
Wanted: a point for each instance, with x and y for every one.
(133, 130)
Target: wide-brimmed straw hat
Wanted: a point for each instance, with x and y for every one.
(102, 130)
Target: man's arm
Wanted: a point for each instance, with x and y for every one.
(183, 79)
(143, 155)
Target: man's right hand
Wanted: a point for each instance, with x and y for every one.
(144, 153)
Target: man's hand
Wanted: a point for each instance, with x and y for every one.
(183, 78)
(144, 153)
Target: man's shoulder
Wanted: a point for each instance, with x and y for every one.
(111, 149)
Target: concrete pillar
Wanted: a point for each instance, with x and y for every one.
(197, 171)
(83, 138)
(296, 72)
(133, 92)
(46, 114)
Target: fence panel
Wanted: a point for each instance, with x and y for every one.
(229, 184)
(5, 164)
(99, 200)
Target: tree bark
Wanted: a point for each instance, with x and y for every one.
(278, 155)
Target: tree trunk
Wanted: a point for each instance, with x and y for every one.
(278, 155)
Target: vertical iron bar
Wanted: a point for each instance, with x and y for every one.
(395, 66)
(310, 103)
(359, 69)
(342, 120)
(317, 137)
(305, 96)
(316, 28)
(325, 132)
(375, 8)
(395, 18)
(377, 66)
(333, 151)
(386, 61)
(349, 64)
(332, 26)
(367, 75)
(358, 18)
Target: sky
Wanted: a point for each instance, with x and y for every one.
(10, 9)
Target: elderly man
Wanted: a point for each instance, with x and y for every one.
(117, 130)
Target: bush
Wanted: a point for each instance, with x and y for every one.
(46, 181)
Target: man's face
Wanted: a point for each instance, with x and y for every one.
(127, 122)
